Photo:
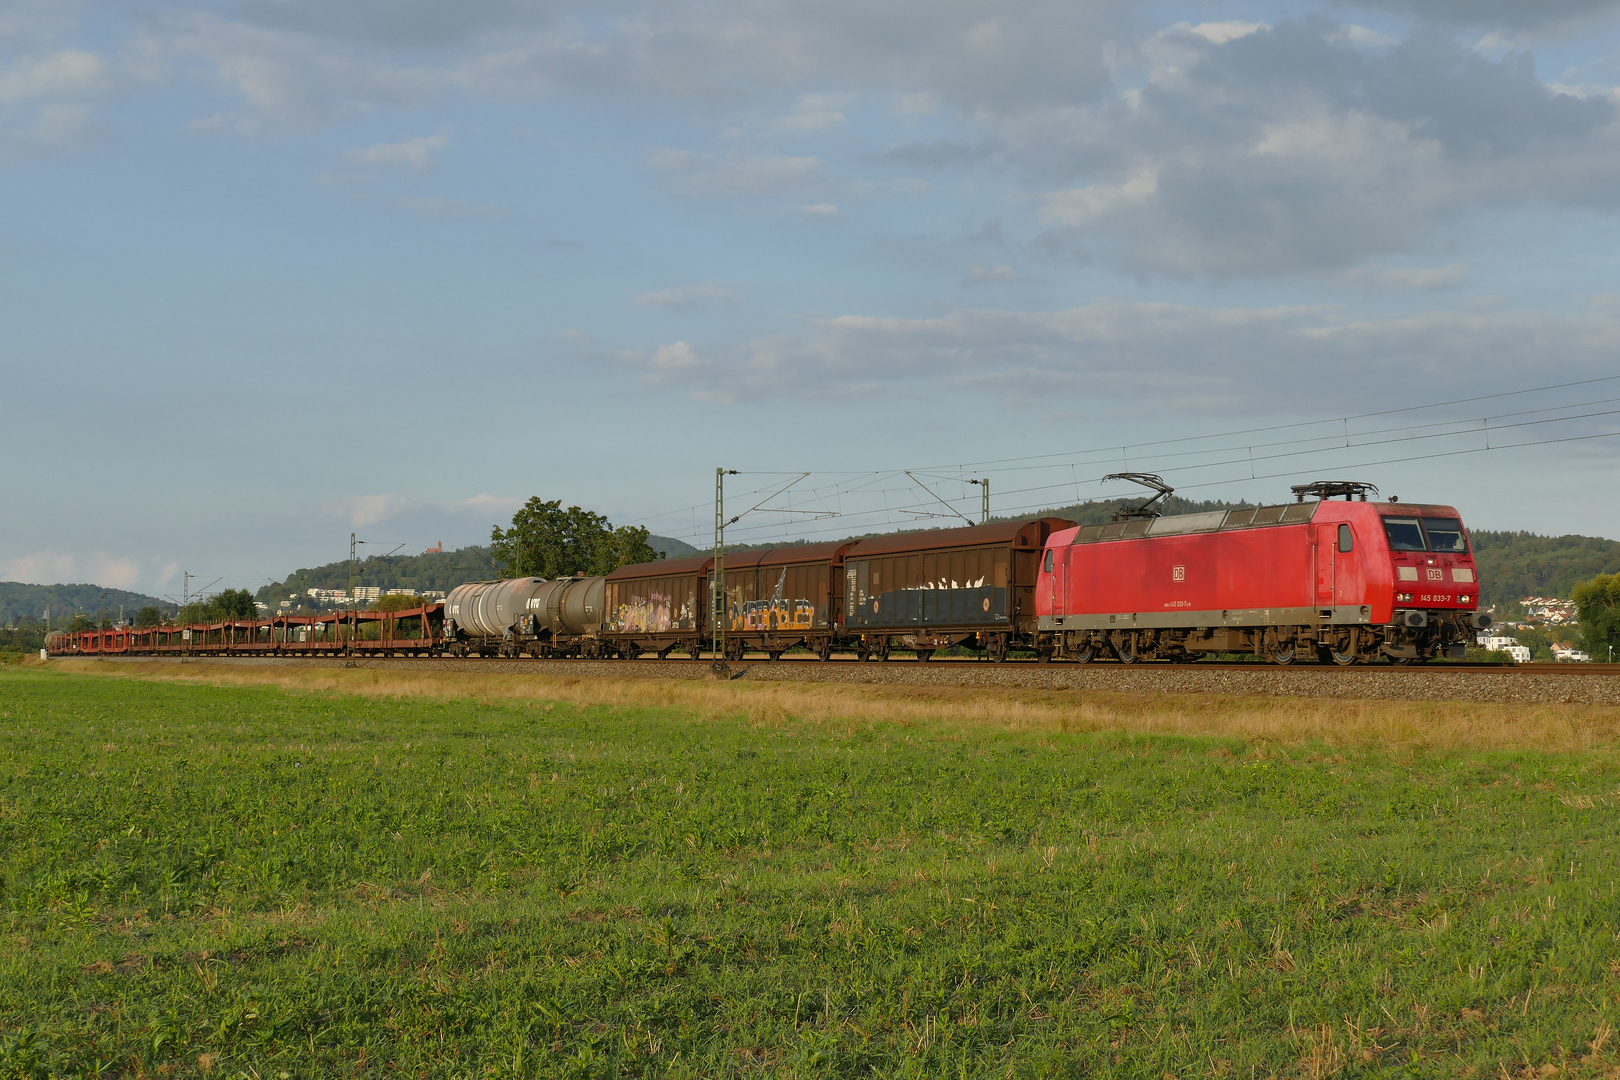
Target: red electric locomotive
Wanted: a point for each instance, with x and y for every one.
(1348, 582)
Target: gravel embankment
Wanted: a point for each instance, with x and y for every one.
(1389, 684)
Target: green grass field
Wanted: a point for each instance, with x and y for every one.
(253, 881)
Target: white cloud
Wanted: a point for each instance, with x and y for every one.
(676, 356)
(66, 73)
(688, 297)
(813, 113)
(737, 175)
(52, 567)
(820, 211)
(1219, 33)
(363, 511)
(1183, 357)
(449, 207)
(979, 274)
(416, 153)
(1077, 206)
(1410, 278)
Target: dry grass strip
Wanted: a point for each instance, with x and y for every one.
(1286, 721)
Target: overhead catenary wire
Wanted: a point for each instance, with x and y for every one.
(835, 489)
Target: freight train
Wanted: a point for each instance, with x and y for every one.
(1329, 577)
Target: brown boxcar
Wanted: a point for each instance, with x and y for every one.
(931, 590)
(657, 607)
(782, 597)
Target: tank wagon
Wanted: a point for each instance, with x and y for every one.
(541, 617)
(1344, 581)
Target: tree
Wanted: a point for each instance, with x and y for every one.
(625, 546)
(547, 541)
(233, 604)
(148, 616)
(397, 602)
(1597, 606)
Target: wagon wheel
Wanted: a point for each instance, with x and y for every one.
(695, 651)
(824, 649)
(998, 649)
(1125, 648)
(735, 649)
(923, 655)
(774, 655)
(631, 651)
(881, 651)
(1332, 654)
(1277, 652)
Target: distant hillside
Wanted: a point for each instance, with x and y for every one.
(1513, 565)
(438, 571)
(20, 601)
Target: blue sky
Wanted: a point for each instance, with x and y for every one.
(272, 271)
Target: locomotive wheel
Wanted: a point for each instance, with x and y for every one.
(1125, 649)
(1279, 655)
(1343, 659)
(1085, 655)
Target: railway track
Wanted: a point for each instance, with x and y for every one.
(1589, 684)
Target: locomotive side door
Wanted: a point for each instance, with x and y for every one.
(1324, 541)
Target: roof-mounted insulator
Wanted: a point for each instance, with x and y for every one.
(1327, 489)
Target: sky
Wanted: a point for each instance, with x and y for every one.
(276, 271)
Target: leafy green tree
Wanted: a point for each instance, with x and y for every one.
(396, 602)
(547, 541)
(1597, 605)
(625, 546)
(148, 616)
(233, 604)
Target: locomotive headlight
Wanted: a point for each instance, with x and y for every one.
(1464, 598)
(1403, 597)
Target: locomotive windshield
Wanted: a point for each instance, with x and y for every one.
(1405, 534)
(1428, 534)
(1445, 534)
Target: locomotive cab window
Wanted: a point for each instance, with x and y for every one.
(1405, 534)
(1048, 564)
(1346, 542)
(1445, 534)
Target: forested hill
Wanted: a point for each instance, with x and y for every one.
(1514, 565)
(20, 601)
(438, 571)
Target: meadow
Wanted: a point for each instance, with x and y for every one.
(300, 873)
